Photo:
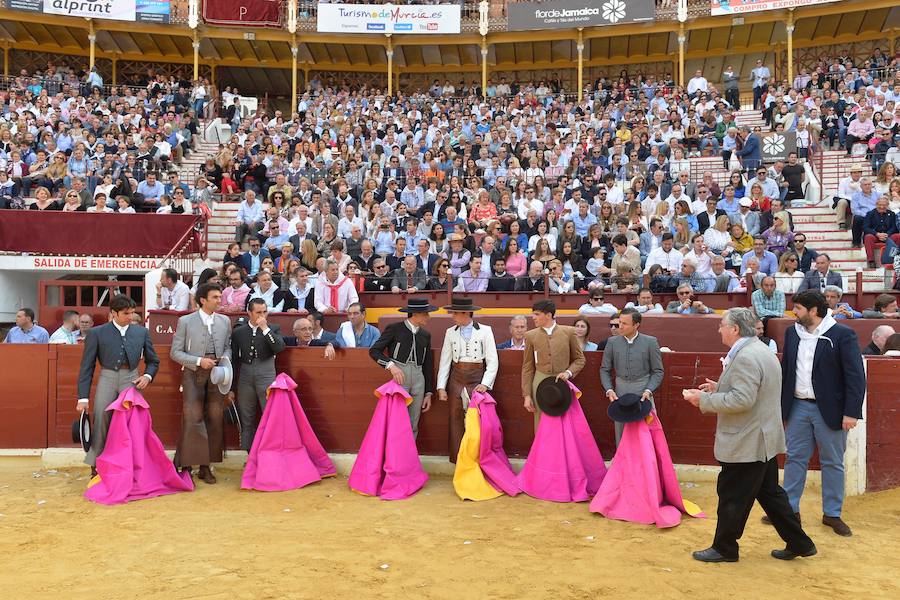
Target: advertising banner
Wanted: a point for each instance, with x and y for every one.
(149, 11)
(777, 145)
(115, 10)
(735, 7)
(569, 14)
(243, 13)
(388, 18)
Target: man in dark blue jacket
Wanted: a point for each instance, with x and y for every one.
(879, 226)
(821, 399)
(751, 153)
(250, 261)
(119, 347)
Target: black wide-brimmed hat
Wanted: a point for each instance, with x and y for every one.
(417, 305)
(629, 408)
(553, 396)
(460, 304)
(81, 431)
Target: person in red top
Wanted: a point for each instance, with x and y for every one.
(483, 210)
(229, 186)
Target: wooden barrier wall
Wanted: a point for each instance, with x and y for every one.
(38, 398)
(680, 333)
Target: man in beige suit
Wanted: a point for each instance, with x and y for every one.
(749, 435)
(550, 350)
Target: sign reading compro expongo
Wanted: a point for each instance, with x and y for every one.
(388, 18)
(733, 7)
(568, 14)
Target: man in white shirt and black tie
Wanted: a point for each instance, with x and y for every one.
(469, 364)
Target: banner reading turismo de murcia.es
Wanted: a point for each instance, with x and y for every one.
(569, 14)
(388, 18)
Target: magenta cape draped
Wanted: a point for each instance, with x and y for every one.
(286, 453)
(564, 463)
(641, 485)
(133, 465)
(491, 456)
(388, 463)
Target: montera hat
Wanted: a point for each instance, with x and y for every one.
(553, 396)
(629, 408)
(417, 305)
(460, 304)
(81, 430)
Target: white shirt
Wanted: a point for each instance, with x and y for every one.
(479, 347)
(179, 298)
(848, 187)
(208, 320)
(669, 261)
(806, 352)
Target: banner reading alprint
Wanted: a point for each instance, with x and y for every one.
(568, 14)
(243, 13)
(388, 18)
(734, 7)
(115, 10)
(148, 11)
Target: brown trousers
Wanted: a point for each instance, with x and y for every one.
(202, 421)
(462, 375)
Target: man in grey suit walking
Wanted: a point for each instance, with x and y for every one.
(118, 345)
(636, 359)
(201, 339)
(749, 436)
(254, 346)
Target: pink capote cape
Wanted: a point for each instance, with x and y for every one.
(388, 463)
(133, 465)
(564, 463)
(641, 485)
(286, 454)
(483, 471)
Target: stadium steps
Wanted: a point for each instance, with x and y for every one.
(818, 223)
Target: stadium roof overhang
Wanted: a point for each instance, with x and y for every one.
(819, 25)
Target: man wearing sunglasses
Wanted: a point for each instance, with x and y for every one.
(635, 358)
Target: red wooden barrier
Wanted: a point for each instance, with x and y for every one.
(882, 424)
(23, 395)
(39, 394)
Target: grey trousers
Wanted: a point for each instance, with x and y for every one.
(414, 383)
(253, 383)
(109, 386)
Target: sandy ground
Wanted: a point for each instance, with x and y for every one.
(326, 542)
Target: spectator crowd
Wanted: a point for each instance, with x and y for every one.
(518, 189)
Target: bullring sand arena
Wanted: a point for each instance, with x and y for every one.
(324, 541)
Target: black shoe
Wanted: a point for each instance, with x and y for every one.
(711, 555)
(788, 554)
(93, 472)
(839, 527)
(767, 521)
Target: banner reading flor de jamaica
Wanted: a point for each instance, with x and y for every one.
(154, 11)
(570, 14)
(388, 18)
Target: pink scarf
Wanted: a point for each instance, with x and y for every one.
(335, 291)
